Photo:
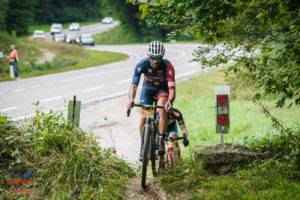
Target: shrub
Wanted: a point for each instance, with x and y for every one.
(64, 161)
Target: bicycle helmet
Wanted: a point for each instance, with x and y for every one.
(155, 49)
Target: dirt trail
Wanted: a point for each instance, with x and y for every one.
(152, 192)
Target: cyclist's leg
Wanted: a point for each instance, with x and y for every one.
(176, 148)
(162, 97)
(163, 122)
(173, 147)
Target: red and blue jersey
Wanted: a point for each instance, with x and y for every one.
(162, 77)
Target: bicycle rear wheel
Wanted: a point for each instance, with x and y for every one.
(145, 154)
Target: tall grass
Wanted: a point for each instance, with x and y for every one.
(65, 162)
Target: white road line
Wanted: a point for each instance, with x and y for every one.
(124, 81)
(19, 89)
(47, 84)
(118, 94)
(91, 75)
(9, 109)
(186, 74)
(92, 89)
(51, 99)
(34, 86)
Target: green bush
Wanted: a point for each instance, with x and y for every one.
(65, 162)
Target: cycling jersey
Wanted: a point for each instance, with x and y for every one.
(161, 77)
(174, 116)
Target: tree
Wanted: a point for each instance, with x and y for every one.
(130, 17)
(270, 26)
(20, 14)
(66, 11)
(3, 11)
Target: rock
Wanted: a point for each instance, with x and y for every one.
(222, 158)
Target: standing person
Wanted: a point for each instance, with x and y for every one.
(159, 82)
(13, 60)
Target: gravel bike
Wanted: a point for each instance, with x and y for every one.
(150, 139)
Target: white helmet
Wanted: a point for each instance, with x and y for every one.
(156, 48)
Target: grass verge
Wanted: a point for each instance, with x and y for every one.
(196, 99)
(66, 58)
(119, 35)
(63, 161)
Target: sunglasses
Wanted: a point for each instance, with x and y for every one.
(156, 58)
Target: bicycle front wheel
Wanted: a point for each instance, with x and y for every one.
(146, 148)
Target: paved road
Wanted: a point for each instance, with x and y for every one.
(90, 85)
(91, 29)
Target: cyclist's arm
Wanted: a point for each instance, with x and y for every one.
(180, 121)
(135, 83)
(171, 82)
(132, 92)
(184, 130)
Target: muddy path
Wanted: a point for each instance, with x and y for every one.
(152, 192)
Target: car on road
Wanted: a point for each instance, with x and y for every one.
(107, 20)
(38, 34)
(56, 28)
(86, 39)
(59, 37)
(71, 38)
(74, 27)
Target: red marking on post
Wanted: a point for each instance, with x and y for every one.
(223, 120)
(222, 99)
(19, 181)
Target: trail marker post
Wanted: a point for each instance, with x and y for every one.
(222, 110)
(74, 112)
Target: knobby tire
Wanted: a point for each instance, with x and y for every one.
(146, 147)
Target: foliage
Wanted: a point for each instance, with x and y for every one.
(19, 16)
(189, 180)
(269, 30)
(119, 35)
(63, 160)
(3, 13)
(285, 147)
(66, 11)
(129, 16)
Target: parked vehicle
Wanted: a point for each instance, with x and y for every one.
(74, 27)
(71, 38)
(38, 34)
(56, 28)
(86, 39)
(107, 20)
(59, 37)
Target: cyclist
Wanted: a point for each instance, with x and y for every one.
(174, 115)
(159, 82)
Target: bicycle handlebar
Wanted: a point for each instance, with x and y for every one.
(143, 106)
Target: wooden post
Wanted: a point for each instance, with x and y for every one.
(74, 112)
